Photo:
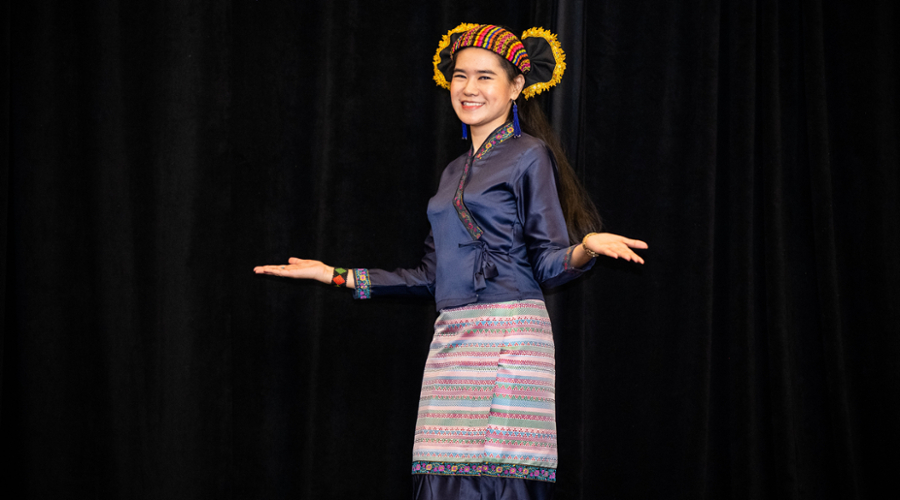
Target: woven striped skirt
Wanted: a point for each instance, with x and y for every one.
(487, 406)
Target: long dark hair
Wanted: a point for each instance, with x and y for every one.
(580, 212)
(578, 208)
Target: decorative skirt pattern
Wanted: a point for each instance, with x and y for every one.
(487, 406)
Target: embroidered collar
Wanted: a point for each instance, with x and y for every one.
(499, 135)
(502, 133)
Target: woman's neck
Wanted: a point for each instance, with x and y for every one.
(478, 139)
(481, 133)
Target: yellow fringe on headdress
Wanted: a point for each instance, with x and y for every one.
(444, 43)
(558, 54)
(530, 91)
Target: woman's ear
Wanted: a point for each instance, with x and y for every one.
(518, 84)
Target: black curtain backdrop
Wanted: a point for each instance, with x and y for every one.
(154, 152)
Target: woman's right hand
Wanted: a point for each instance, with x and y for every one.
(300, 269)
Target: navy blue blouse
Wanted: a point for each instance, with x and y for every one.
(497, 230)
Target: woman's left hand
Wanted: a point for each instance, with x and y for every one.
(615, 246)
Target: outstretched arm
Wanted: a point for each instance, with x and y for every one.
(611, 245)
(554, 260)
(303, 269)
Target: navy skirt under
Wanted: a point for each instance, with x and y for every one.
(433, 487)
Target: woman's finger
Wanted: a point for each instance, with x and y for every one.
(276, 270)
(622, 251)
(629, 241)
(635, 257)
(636, 243)
(632, 255)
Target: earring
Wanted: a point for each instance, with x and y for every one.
(517, 130)
(465, 132)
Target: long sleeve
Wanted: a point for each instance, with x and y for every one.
(543, 223)
(498, 231)
(417, 281)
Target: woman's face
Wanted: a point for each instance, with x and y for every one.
(480, 89)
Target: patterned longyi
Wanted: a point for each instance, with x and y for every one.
(487, 405)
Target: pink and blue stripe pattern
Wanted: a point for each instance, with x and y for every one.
(487, 405)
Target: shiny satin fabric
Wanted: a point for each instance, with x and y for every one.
(428, 487)
(522, 243)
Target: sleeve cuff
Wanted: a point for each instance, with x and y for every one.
(567, 262)
(362, 283)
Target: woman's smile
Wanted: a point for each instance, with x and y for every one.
(469, 105)
(481, 92)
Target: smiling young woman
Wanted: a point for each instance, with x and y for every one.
(481, 92)
(504, 220)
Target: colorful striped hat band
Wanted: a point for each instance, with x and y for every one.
(537, 54)
(498, 40)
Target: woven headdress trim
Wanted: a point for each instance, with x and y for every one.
(495, 39)
(543, 73)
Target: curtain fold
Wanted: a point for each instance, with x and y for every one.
(153, 154)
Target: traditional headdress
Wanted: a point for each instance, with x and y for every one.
(537, 54)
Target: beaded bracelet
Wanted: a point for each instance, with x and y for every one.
(587, 250)
(339, 279)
